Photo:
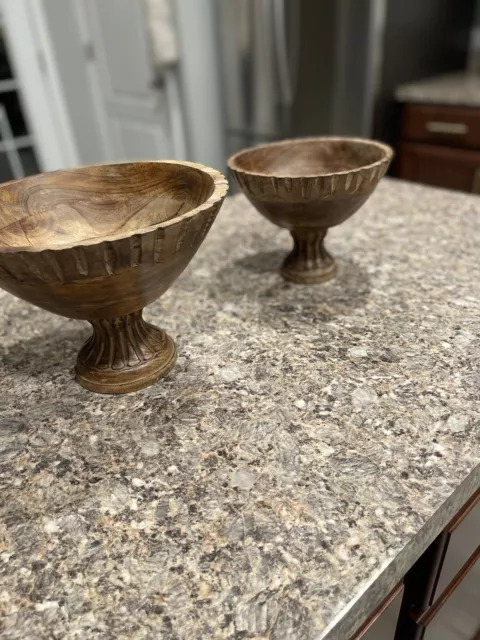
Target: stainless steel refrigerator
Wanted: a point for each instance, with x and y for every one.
(313, 67)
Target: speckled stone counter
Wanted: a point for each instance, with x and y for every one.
(309, 445)
(459, 89)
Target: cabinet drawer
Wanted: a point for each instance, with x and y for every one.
(458, 589)
(456, 126)
(439, 166)
(465, 539)
(383, 622)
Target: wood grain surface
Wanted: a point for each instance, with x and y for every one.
(69, 207)
(307, 186)
(99, 243)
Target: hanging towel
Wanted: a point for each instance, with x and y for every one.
(162, 32)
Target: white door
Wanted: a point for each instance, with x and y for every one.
(131, 106)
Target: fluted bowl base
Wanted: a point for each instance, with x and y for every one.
(124, 354)
(309, 262)
(309, 276)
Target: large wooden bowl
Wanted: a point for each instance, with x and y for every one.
(100, 243)
(307, 186)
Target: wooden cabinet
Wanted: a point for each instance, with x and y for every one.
(439, 596)
(439, 166)
(459, 619)
(464, 540)
(383, 627)
(440, 146)
(443, 125)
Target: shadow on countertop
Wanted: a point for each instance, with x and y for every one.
(255, 278)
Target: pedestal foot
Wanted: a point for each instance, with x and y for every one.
(309, 262)
(124, 354)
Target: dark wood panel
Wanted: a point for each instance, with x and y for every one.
(464, 539)
(439, 166)
(427, 616)
(361, 634)
(439, 124)
(459, 619)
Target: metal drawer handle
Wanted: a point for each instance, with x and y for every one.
(453, 128)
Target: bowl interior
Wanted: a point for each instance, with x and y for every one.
(74, 205)
(310, 157)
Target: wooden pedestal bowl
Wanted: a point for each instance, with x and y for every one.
(307, 186)
(100, 243)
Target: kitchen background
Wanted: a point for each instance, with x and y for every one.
(87, 81)
(84, 81)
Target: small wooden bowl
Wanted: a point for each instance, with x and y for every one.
(100, 243)
(307, 186)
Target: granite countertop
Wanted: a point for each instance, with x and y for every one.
(459, 89)
(308, 446)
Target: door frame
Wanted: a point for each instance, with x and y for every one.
(40, 87)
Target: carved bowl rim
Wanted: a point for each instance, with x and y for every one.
(385, 148)
(220, 189)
